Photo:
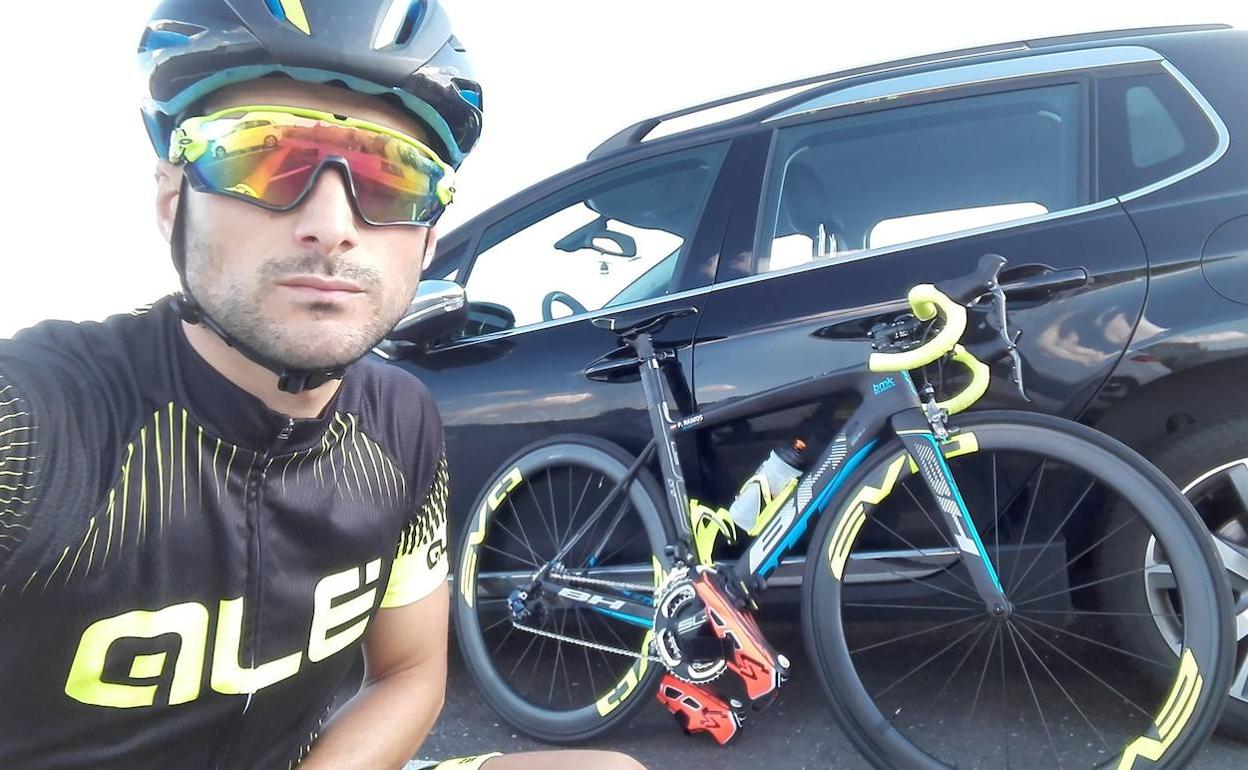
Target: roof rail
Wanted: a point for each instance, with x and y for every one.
(1110, 34)
(637, 132)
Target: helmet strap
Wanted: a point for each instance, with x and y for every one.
(289, 379)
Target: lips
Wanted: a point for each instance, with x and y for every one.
(321, 288)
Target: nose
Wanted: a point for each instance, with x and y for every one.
(326, 221)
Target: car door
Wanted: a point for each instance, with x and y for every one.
(861, 202)
(629, 240)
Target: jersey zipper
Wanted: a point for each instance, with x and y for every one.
(251, 497)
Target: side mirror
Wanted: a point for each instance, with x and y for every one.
(487, 318)
(439, 310)
(597, 236)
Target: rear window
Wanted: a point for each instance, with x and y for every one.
(1149, 129)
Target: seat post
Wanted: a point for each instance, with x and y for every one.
(659, 407)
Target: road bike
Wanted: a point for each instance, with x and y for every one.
(954, 594)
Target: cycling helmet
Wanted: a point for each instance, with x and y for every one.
(402, 51)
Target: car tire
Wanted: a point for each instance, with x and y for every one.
(1203, 461)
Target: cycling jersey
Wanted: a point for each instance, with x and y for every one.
(184, 573)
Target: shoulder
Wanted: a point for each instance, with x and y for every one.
(399, 412)
(72, 361)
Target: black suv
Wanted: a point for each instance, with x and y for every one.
(1104, 167)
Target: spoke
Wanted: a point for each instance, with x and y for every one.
(1058, 529)
(517, 557)
(1098, 643)
(1080, 586)
(560, 662)
(1085, 670)
(1106, 613)
(589, 669)
(1031, 507)
(1034, 698)
(519, 523)
(992, 643)
(924, 553)
(910, 635)
(506, 636)
(637, 536)
(1079, 555)
(554, 539)
(523, 655)
(593, 637)
(931, 659)
(577, 508)
(596, 551)
(1069, 699)
(1233, 557)
(922, 508)
(943, 607)
(983, 631)
(1004, 743)
(1239, 481)
(505, 618)
(1160, 577)
(554, 510)
(975, 601)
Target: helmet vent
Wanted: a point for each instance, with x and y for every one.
(399, 24)
(468, 91)
(167, 34)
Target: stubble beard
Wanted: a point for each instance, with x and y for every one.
(319, 335)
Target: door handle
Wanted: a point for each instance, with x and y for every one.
(612, 369)
(1047, 282)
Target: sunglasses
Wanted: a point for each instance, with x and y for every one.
(271, 156)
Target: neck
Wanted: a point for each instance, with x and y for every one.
(255, 379)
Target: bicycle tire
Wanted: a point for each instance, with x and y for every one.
(605, 706)
(888, 736)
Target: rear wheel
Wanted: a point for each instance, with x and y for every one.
(547, 687)
(922, 675)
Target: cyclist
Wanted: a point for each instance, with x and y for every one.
(208, 505)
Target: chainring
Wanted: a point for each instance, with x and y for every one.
(680, 624)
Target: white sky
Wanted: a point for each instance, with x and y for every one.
(560, 76)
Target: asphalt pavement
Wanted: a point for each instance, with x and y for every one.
(795, 733)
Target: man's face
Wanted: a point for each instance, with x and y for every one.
(311, 287)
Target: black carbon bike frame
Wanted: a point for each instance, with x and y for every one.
(890, 404)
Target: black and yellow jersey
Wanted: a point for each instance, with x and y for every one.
(185, 574)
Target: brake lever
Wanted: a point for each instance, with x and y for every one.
(997, 319)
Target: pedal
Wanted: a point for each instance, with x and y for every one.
(700, 710)
(751, 657)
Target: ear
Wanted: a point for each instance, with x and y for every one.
(168, 191)
(431, 247)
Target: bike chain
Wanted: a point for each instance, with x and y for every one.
(637, 587)
(583, 643)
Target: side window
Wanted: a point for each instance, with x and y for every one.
(882, 178)
(615, 238)
(1148, 129)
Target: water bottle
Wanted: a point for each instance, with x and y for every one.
(783, 464)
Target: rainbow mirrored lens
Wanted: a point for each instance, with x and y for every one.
(273, 157)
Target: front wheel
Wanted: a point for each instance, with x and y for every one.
(569, 667)
(921, 674)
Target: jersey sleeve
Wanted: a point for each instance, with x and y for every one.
(420, 562)
(18, 472)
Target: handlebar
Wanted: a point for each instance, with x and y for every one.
(949, 299)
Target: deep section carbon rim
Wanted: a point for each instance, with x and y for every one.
(926, 677)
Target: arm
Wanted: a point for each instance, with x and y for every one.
(384, 725)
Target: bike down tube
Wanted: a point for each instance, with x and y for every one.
(883, 395)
